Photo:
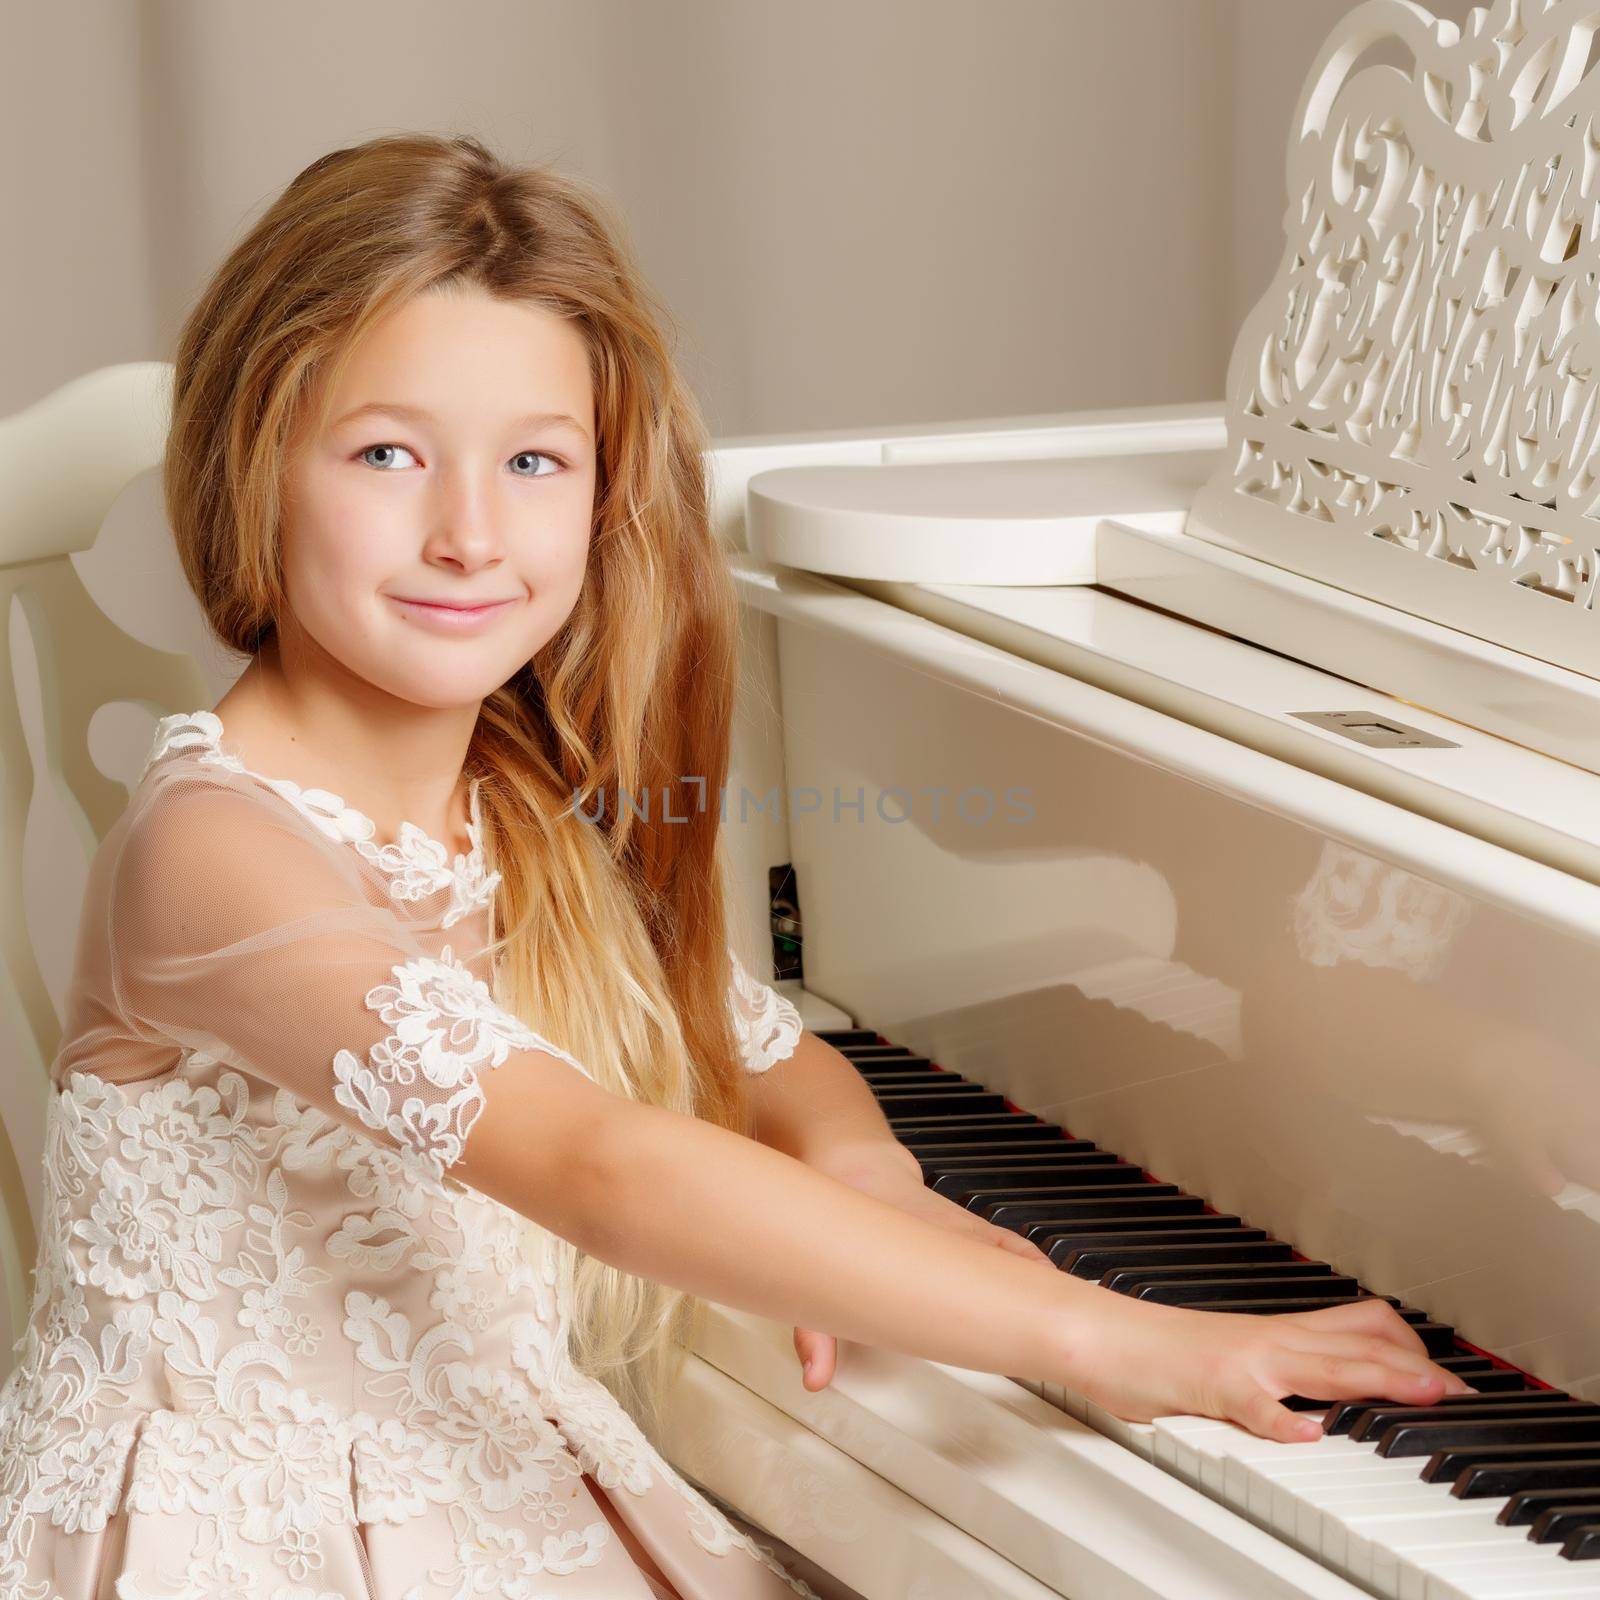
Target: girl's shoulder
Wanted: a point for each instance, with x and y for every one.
(189, 765)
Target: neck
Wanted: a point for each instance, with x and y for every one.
(389, 758)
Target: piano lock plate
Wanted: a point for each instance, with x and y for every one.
(1366, 727)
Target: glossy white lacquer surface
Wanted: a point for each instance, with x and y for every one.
(1011, 522)
(1227, 977)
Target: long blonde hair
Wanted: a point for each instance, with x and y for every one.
(614, 928)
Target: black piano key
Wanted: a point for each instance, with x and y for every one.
(896, 1080)
(1494, 1482)
(1230, 1294)
(927, 1128)
(1006, 1169)
(1526, 1507)
(1353, 1416)
(1484, 1384)
(1273, 1306)
(1118, 1202)
(1095, 1261)
(1445, 1466)
(1052, 1237)
(997, 1183)
(1566, 1514)
(840, 1038)
(1007, 1162)
(934, 1111)
(1241, 1275)
(1583, 1544)
(1377, 1420)
(1438, 1338)
(1423, 1438)
(933, 1150)
(958, 1101)
(1048, 1199)
(1495, 1381)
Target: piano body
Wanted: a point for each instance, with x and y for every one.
(1221, 785)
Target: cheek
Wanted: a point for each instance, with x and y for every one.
(554, 574)
(334, 564)
(339, 538)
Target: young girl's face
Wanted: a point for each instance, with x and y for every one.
(457, 467)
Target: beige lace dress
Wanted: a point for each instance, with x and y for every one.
(276, 1349)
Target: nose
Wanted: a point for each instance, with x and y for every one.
(463, 529)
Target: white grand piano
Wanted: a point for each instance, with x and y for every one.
(1221, 785)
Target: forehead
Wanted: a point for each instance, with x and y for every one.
(466, 356)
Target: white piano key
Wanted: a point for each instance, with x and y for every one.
(1068, 1399)
(1292, 1515)
(1188, 1447)
(1377, 1558)
(1537, 1579)
(1344, 1546)
(1328, 1450)
(1416, 1552)
(1276, 1490)
(1386, 1525)
(1137, 1436)
(1247, 1488)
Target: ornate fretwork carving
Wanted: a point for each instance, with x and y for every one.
(1420, 380)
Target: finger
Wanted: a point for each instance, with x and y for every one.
(1370, 1348)
(1263, 1416)
(1333, 1377)
(1365, 1316)
(819, 1353)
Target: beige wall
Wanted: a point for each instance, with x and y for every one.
(860, 210)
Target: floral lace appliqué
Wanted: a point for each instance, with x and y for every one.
(766, 1024)
(420, 1084)
(161, 1368)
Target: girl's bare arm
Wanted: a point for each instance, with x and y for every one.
(686, 1203)
(813, 1105)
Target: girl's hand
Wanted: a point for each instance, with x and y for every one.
(894, 1176)
(1140, 1360)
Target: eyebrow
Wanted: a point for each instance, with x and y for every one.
(534, 419)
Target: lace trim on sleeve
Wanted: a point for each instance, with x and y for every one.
(766, 1025)
(420, 1084)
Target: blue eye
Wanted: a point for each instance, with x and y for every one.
(522, 455)
(390, 447)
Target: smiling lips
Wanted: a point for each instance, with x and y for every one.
(449, 615)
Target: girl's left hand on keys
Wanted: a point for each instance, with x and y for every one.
(900, 1185)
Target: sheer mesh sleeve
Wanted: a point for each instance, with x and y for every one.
(766, 1025)
(234, 928)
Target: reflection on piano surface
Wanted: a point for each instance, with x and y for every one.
(1303, 914)
(1415, 1493)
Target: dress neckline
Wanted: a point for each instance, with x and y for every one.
(418, 865)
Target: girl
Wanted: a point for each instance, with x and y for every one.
(406, 1097)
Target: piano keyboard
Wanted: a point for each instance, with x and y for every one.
(1489, 1496)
